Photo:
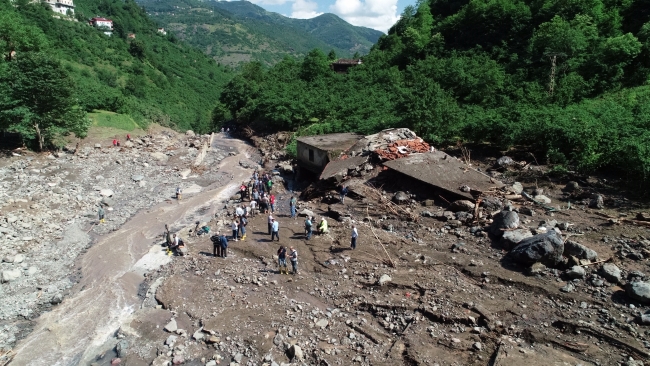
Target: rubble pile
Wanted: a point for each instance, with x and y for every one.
(402, 149)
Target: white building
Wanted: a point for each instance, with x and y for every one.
(103, 24)
(61, 6)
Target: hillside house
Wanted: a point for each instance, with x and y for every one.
(103, 24)
(342, 65)
(61, 6)
(162, 31)
(315, 152)
(131, 36)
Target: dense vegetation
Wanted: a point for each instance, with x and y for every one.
(568, 79)
(151, 78)
(236, 32)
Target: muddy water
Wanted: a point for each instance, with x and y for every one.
(75, 331)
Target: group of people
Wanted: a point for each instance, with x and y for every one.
(116, 142)
(322, 227)
(282, 259)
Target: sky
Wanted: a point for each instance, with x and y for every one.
(376, 14)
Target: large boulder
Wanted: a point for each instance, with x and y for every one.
(505, 161)
(401, 198)
(295, 353)
(161, 157)
(579, 251)
(511, 238)
(639, 291)
(307, 213)
(504, 220)
(597, 202)
(10, 275)
(610, 272)
(461, 205)
(576, 272)
(546, 248)
(492, 204)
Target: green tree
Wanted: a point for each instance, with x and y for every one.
(37, 100)
(17, 36)
(315, 65)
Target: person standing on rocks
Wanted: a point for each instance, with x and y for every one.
(265, 203)
(235, 229)
(293, 256)
(101, 214)
(308, 227)
(270, 223)
(256, 195)
(342, 193)
(179, 193)
(292, 207)
(282, 260)
(239, 212)
(355, 235)
(242, 226)
(216, 245)
(269, 185)
(224, 246)
(253, 207)
(272, 202)
(275, 230)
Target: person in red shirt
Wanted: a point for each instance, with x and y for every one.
(272, 202)
(128, 137)
(114, 142)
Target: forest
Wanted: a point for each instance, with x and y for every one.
(566, 80)
(152, 78)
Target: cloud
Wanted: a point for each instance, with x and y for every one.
(268, 2)
(304, 9)
(376, 14)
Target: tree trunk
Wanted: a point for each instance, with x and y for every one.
(39, 137)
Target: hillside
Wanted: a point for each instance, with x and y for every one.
(239, 31)
(568, 83)
(150, 78)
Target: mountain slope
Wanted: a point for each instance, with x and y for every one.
(239, 31)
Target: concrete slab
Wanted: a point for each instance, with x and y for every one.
(443, 171)
(341, 166)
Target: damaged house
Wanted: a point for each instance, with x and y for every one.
(315, 152)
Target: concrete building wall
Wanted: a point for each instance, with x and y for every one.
(311, 158)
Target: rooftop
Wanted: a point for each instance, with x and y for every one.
(345, 61)
(332, 141)
(443, 171)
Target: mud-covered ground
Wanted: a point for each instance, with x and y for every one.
(430, 291)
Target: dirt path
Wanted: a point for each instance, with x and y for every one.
(112, 271)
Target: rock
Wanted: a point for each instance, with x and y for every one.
(597, 202)
(322, 323)
(178, 359)
(401, 198)
(31, 271)
(384, 279)
(504, 220)
(576, 272)
(198, 335)
(477, 346)
(295, 353)
(19, 258)
(190, 133)
(161, 157)
(429, 203)
(161, 360)
(171, 340)
(579, 251)
(137, 177)
(247, 164)
(171, 326)
(543, 199)
(128, 144)
(492, 204)
(428, 214)
(98, 146)
(213, 339)
(611, 272)
(142, 183)
(308, 213)
(527, 211)
(461, 205)
(536, 268)
(211, 363)
(186, 173)
(517, 188)
(121, 348)
(569, 287)
(546, 248)
(511, 238)
(505, 161)
(10, 275)
(278, 339)
(572, 187)
(106, 192)
(107, 201)
(639, 291)
(56, 299)
(238, 357)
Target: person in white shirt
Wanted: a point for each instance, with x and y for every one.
(235, 229)
(355, 235)
(270, 222)
(253, 207)
(275, 230)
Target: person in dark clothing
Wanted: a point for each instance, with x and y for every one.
(342, 193)
(282, 260)
(224, 246)
(216, 245)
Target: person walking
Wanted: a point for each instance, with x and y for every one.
(270, 222)
(242, 226)
(355, 235)
(235, 229)
(293, 256)
(253, 207)
(292, 207)
(282, 260)
(272, 202)
(308, 227)
(342, 193)
(216, 245)
(101, 214)
(275, 230)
